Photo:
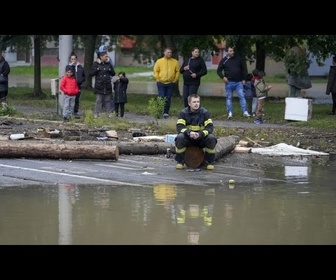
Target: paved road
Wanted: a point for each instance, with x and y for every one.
(133, 171)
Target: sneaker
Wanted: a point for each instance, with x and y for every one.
(258, 121)
(229, 115)
(253, 114)
(179, 166)
(210, 167)
(65, 119)
(165, 116)
(77, 116)
(246, 114)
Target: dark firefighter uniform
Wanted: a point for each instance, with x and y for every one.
(199, 121)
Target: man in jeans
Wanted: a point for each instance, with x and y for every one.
(234, 75)
(166, 73)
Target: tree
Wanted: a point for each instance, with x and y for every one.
(37, 91)
(90, 47)
(37, 42)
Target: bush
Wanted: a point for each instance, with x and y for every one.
(156, 106)
(7, 110)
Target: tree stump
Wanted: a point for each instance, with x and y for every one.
(194, 157)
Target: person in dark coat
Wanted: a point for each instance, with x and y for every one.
(331, 85)
(102, 70)
(192, 69)
(232, 70)
(4, 71)
(120, 96)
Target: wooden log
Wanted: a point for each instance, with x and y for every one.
(242, 150)
(254, 142)
(225, 145)
(145, 148)
(194, 157)
(244, 143)
(16, 149)
(97, 149)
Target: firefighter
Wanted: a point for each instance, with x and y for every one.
(195, 128)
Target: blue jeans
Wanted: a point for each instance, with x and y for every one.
(230, 87)
(165, 91)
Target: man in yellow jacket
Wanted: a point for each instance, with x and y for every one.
(166, 74)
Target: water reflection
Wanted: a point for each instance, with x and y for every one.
(298, 208)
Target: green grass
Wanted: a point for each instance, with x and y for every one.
(211, 77)
(139, 103)
(52, 71)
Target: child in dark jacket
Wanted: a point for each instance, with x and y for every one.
(70, 89)
(120, 96)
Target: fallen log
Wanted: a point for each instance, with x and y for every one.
(145, 148)
(225, 145)
(55, 148)
(16, 149)
(242, 150)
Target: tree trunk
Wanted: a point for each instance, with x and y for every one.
(225, 145)
(147, 148)
(37, 92)
(261, 56)
(89, 42)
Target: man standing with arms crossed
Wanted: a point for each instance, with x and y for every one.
(166, 73)
(234, 78)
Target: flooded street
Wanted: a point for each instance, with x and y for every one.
(275, 202)
(144, 200)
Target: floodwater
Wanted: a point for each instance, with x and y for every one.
(297, 208)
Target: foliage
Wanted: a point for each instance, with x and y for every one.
(156, 106)
(6, 110)
(52, 71)
(297, 62)
(102, 120)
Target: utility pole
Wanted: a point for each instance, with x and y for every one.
(64, 51)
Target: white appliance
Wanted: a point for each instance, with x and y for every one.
(298, 109)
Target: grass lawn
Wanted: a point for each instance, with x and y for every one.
(211, 77)
(139, 103)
